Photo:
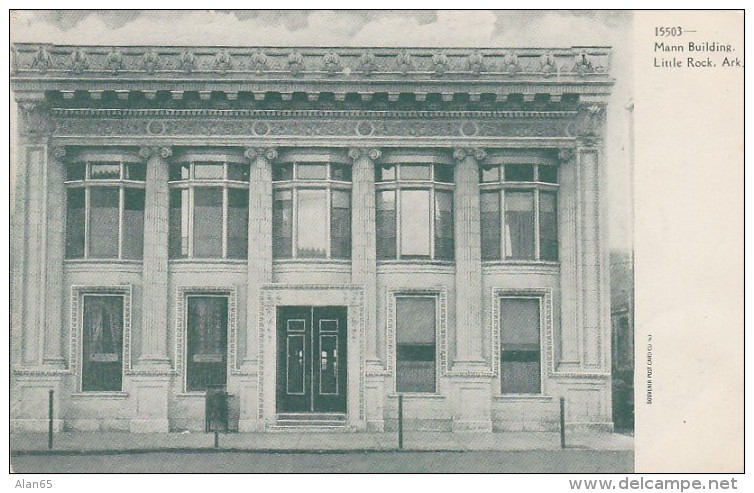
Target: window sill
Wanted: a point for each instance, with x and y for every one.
(523, 398)
(196, 395)
(534, 266)
(414, 396)
(100, 265)
(100, 395)
(416, 265)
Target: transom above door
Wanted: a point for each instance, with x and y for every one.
(311, 362)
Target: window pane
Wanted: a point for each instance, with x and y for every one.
(103, 222)
(311, 230)
(519, 172)
(74, 226)
(102, 365)
(548, 226)
(104, 171)
(208, 222)
(489, 175)
(238, 172)
(178, 240)
(384, 173)
(282, 172)
(416, 172)
(282, 224)
(548, 174)
(135, 172)
(340, 224)
(75, 172)
(133, 223)
(444, 173)
(490, 225)
(179, 171)
(340, 172)
(444, 246)
(415, 349)
(311, 172)
(519, 225)
(207, 328)
(415, 223)
(415, 320)
(385, 218)
(238, 223)
(208, 171)
(520, 345)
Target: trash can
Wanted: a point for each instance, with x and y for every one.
(216, 409)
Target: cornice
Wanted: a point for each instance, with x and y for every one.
(47, 60)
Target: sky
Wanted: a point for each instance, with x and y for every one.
(423, 28)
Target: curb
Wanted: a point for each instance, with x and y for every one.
(196, 450)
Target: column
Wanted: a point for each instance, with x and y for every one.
(56, 207)
(260, 240)
(469, 327)
(155, 267)
(364, 249)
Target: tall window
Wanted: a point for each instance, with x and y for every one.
(102, 341)
(105, 210)
(209, 209)
(415, 321)
(414, 211)
(519, 215)
(520, 346)
(311, 210)
(206, 342)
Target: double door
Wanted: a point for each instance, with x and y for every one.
(311, 359)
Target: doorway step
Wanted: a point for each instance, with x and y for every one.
(302, 422)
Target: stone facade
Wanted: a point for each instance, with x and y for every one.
(467, 109)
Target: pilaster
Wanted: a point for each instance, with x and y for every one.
(56, 207)
(155, 267)
(468, 256)
(364, 250)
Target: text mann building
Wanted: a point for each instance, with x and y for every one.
(316, 230)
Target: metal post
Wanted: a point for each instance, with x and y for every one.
(562, 423)
(400, 421)
(49, 422)
(217, 439)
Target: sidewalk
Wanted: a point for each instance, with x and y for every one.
(124, 442)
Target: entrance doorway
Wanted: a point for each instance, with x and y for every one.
(311, 362)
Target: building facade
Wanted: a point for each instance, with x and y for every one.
(315, 230)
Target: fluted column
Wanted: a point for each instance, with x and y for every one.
(468, 254)
(155, 267)
(260, 241)
(364, 241)
(53, 347)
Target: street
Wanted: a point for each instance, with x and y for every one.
(535, 461)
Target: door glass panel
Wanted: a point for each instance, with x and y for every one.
(312, 223)
(297, 359)
(328, 364)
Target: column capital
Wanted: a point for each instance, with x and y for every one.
(372, 153)
(147, 152)
(461, 153)
(270, 153)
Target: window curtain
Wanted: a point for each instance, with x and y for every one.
(102, 343)
(519, 225)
